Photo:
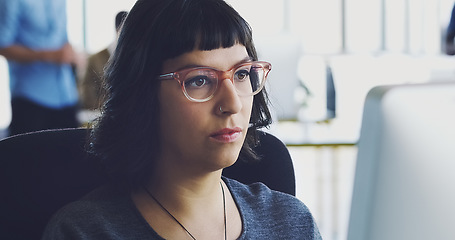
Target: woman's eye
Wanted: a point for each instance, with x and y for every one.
(197, 82)
(242, 75)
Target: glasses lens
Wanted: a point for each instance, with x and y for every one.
(249, 79)
(201, 83)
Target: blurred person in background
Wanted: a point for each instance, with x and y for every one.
(33, 39)
(90, 88)
(450, 35)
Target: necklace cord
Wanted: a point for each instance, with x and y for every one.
(177, 221)
(224, 207)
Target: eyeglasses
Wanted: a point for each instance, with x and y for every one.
(199, 84)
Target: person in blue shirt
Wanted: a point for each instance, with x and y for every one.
(33, 39)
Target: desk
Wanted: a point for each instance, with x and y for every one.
(324, 164)
(300, 134)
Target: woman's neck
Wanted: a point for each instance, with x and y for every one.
(180, 188)
(199, 204)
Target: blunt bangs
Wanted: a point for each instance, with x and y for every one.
(205, 25)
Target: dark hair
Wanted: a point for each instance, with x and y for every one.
(119, 19)
(125, 137)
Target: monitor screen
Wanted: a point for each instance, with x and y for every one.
(404, 185)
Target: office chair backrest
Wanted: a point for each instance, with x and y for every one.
(42, 171)
(275, 168)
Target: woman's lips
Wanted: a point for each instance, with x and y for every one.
(227, 135)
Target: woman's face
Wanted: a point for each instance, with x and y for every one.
(198, 135)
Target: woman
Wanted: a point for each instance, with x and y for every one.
(185, 99)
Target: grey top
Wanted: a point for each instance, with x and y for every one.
(108, 214)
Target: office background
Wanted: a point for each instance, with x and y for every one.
(362, 42)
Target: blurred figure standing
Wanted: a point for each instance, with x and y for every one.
(90, 89)
(450, 35)
(33, 39)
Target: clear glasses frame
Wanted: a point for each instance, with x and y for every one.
(199, 84)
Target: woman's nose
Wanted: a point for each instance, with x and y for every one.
(228, 100)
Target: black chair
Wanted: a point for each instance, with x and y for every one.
(42, 171)
(274, 169)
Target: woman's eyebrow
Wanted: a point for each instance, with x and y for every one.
(245, 60)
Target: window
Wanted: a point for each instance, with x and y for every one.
(91, 24)
(323, 27)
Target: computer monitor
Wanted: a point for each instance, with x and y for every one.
(404, 185)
